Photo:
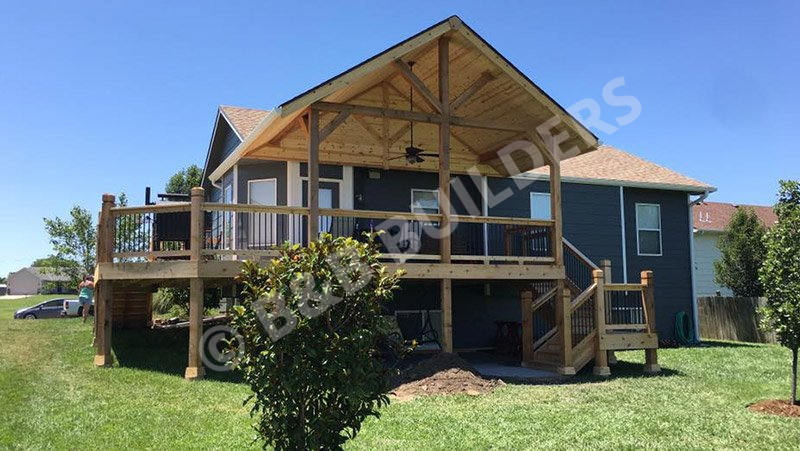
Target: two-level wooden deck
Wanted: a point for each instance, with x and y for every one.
(476, 115)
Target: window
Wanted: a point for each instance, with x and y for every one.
(540, 206)
(425, 201)
(262, 231)
(648, 229)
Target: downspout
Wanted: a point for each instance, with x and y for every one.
(695, 306)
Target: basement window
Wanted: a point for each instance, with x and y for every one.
(648, 229)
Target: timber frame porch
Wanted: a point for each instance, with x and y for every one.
(480, 105)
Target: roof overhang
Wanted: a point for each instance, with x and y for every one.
(493, 91)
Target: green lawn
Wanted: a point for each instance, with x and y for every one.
(52, 398)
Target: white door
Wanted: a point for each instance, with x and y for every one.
(325, 201)
(262, 227)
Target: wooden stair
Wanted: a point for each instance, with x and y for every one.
(584, 305)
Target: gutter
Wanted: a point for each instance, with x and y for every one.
(695, 306)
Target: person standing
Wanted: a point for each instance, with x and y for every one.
(86, 295)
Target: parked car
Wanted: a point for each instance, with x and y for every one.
(46, 309)
(73, 307)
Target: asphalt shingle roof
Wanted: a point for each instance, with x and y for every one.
(614, 165)
(244, 120)
(715, 216)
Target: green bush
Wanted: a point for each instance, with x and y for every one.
(311, 323)
(176, 301)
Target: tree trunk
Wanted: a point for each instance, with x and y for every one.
(794, 399)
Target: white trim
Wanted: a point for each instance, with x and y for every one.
(530, 203)
(625, 183)
(234, 235)
(294, 184)
(659, 230)
(624, 238)
(695, 307)
(413, 190)
(346, 190)
(485, 212)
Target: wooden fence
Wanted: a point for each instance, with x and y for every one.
(732, 318)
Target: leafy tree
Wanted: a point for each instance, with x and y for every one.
(184, 180)
(312, 360)
(74, 241)
(780, 274)
(742, 248)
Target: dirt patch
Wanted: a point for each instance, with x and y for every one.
(442, 374)
(776, 407)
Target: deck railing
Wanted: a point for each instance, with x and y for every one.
(243, 231)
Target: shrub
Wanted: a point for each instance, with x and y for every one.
(742, 253)
(176, 300)
(311, 323)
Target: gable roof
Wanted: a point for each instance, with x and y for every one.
(715, 216)
(243, 120)
(513, 99)
(611, 166)
(44, 274)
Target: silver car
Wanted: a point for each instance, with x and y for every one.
(46, 309)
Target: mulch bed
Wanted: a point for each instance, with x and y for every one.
(441, 374)
(776, 407)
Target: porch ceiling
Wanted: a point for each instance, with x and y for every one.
(484, 88)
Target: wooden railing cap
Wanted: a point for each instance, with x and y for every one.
(109, 198)
(198, 191)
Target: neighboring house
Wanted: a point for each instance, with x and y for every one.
(35, 280)
(339, 159)
(710, 221)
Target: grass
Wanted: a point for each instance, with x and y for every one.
(52, 398)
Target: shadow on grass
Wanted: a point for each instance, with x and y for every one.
(728, 344)
(163, 351)
(621, 370)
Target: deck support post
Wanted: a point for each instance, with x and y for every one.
(104, 290)
(564, 324)
(600, 356)
(605, 265)
(526, 305)
(555, 211)
(651, 365)
(313, 174)
(195, 368)
(444, 190)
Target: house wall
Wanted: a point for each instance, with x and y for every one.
(672, 270)
(706, 252)
(223, 144)
(23, 282)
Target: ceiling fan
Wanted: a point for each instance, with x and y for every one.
(413, 154)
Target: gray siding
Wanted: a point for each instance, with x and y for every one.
(590, 213)
(257, 170)
(223, 144)
(673, 269)
(706, 252)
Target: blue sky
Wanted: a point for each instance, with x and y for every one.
(115, 96)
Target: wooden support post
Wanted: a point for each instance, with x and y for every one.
(313, 175)
(195, 368)
(444, 190)
(564, 324)
(555, 209)
(600, 356)
(605, 265)
(526, 305)
(651, 365)
(447, 315)
(104, 288)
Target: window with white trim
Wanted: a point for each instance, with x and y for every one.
(648, 229)
(425, 201)
(540, 206)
